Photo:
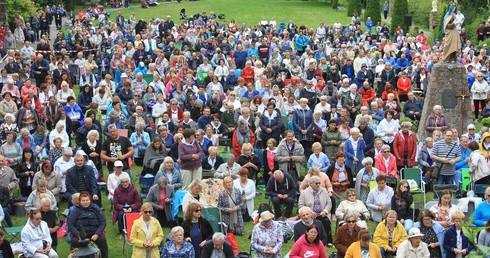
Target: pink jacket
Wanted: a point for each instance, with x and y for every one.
(392, 170)
(302, 249)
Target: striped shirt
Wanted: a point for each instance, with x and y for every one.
(441, 150)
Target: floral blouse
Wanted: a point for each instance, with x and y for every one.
(170, 250)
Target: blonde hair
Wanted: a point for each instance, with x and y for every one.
(247, 145)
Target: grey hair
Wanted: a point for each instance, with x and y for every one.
(367, 160)
(113, 113)
(314, 179)
(304, 209)
(354, 130)
(386, 147)
(24, 131)
(162, 182)
(350, 214)
(279, 172)
(186, 113)
(407, 124)
(11, 116)
(218, 236)
(230, 158)
(177, 229)
(95, 132)
(40, 182)
(242, 121)
(111, 126)
(194, 183)
(363, 120)
(140, 126)
(60, 123)
(429, 139)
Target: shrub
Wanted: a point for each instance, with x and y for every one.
(354, 6)
(486, 122)
(400, 8)
(335, 4)
(24, 7)
(373, 10)
(420, 13)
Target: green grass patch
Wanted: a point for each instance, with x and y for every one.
(251, 12)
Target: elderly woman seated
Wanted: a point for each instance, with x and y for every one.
(318, 200)
(33, 201)
(365, 177)
(126, 200)
(249, 160)
(230, 168)
(194, 195)
(324, 180)
(354, 206)
(154, 155)
(177, 247)
(213, 160)
(169, 171)
(160, 196)
(36, 241)
(347, 233)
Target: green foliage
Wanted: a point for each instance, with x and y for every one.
(23, 7)
(420, 13)
(471, 231)
(407, 119)
(335, 4)
(473, 9)
(441, 11)
(354, 6)
(486, 122)
(373, 10)
(400, 8)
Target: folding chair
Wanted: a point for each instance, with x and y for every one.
(429, 204)
(466, 180)
(438, 188)
(414, 174)
(391, 182)
(14, 233)
(146, 182)
(213, 215)
(128, 219)
(207, 173)
(480, 190)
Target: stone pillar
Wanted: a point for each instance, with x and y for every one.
(3, 12)
(432, 17)
(448, 87)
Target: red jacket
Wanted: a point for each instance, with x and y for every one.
(237, 148)
(180, 114)
(303, 249)
(248, 74)
(392, 170)
(367, 95)
(399, 147)
(403, 86)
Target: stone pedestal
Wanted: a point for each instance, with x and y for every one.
(448, 87)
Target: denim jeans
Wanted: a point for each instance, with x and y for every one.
(445, 180)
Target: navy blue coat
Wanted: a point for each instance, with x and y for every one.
(275, 124)
(72, 179)
(303, 120)
(450, 241)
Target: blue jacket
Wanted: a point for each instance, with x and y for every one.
(439, 230)
(450, 241)
(75, 108)
(84, 100)
(72, 180)
(118, 124)
(203, 121)
(368, 136)
(83, 218)
(144, 143)
(464, 154)
(415, 106)
(176, 178)
(303, 120)
(32, 143)
(275, 124)
(349, 153)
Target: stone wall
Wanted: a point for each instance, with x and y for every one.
(446, 85)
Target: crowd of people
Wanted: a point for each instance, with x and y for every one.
(338, 99)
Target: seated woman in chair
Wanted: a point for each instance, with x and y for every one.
(347, 234)
(249, 160)
(126, 200)
(389, 234)
(213, 160)
(154, 155)
(444, 209)
(354, 206)
(36, 241)
(168, 170)
(197, 229)
(194, 195)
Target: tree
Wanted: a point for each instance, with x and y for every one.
(354, 6)
(22, 7)
(400, 9)
(373, 10)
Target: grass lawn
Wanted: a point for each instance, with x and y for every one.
(250, 12)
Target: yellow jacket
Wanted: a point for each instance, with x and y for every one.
(138, 238)
(483, 150)
(354, 250)
(381, 235)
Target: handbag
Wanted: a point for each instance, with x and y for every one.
(437, 170)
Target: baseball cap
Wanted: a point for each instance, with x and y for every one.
(118, 163)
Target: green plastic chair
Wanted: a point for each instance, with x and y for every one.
(213, 215)
(148, 78)
(465, 176)
(416, 175)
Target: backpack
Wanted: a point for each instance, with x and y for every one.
(262, 207)
(287, 231)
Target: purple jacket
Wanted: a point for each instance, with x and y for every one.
(122, 196)
(185, 155)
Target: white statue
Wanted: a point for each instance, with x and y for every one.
(434, 6)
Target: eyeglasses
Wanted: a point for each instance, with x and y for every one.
(199, 210)
(351, 195)
(351, 221)
(471, 129)
(124, 182)
(232, 95)
(148, 212)
(479, 76)
(386, 151)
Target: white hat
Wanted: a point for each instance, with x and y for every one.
(118, 163)
(470, 126)
(124, 75)
(265, 216)
(414, 232)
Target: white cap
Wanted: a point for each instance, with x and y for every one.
(118, 163)
(470, 126)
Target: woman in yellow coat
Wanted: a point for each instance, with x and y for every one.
(355, 249)
(146, 234)
(382, 234)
